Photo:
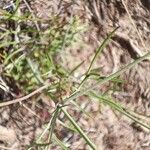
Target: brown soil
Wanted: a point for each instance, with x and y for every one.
(107, 128)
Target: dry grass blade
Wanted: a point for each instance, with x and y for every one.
(134, 26)
(25, 97)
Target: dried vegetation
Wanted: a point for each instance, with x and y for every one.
(53, 42)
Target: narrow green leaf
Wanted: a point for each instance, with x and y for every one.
(80, 131)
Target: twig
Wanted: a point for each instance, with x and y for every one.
(77, 93)
(131, 20)
(25, 97)
(32, 13)
(30, 110)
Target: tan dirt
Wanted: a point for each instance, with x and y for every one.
(108, 129)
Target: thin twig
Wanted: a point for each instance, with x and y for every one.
(30, 110)
(77, 94)
(24, 97)
(32, 13)
(138, 32)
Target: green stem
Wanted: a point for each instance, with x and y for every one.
(101, 82)
(99, 50)
(89, 142)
